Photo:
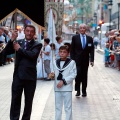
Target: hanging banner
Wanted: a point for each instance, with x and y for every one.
(58, 10)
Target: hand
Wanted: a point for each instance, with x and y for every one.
(14, 35)
(16, 46)
(1, 44)
(60, 84)
(92, 64)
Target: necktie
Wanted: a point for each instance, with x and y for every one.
(83, 41)
(26, 44)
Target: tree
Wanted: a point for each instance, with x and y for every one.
(85, 7)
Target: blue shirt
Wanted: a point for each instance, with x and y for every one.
(107, 52)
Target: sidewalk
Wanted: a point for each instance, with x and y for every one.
(99, 50)
(102, 102)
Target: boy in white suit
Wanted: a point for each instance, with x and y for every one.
(65, 73)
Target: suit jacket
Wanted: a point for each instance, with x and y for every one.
(25, 60)
(80, 55)
(69, 73)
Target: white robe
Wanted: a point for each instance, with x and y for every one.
(64, 94)
(69, 75)
(40, 69)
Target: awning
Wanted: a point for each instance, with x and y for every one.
(32, 10)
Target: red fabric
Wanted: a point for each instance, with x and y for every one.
(112, 57)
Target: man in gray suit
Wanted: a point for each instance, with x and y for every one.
(25, 74)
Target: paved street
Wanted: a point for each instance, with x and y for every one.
(102, 102)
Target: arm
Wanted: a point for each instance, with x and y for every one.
(47, 51)
(72, 50)
(31, 54)
(92, 51)
(9, 48)
(72, 74)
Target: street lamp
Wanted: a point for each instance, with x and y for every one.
(118, 13)
(110, 7)
(100, 24)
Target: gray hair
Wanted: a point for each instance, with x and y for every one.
(83, 24)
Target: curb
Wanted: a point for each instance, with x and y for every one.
(100, 51)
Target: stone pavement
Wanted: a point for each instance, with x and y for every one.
(102, 102)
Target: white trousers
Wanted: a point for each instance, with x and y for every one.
(66, 99)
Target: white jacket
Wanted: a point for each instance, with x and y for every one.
(69, 75)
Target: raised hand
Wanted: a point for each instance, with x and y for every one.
(14, 35)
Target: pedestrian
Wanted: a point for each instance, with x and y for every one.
(2, 46)
(107, 55)
(52, 55)
(25, 74)
(65, 73)
(47, 57)
(96, 41)
(82, 51)
(57, 46)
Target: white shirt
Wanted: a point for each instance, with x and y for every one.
(69, 74)
(104, 40)
(2, 38)
(57, 46)
(81, 36)
(47, 49)
(96, 39)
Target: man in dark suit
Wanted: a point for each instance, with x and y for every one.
(82, 51)
(25, 74)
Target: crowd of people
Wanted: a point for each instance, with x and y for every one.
(110, 44)
(5, 36)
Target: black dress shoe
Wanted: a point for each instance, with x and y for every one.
(77, 94)
(84, 95)
(1, 64)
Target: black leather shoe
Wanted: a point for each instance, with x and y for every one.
(77, 94)
(1, 64)
(84, 95)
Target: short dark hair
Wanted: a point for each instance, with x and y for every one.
(58, 38)
(31, 27)
(64, 47)
(69, 45)
(47, 40)
(52, 45)
(77, 32)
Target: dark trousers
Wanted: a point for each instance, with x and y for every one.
(17, 88)
(81, 78)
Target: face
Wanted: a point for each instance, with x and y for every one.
(1, 31)
(63, 54)
(60, 41)
(29, 33)
(45, 43)
(106, 34)
(82, 29)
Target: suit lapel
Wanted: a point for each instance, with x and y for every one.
(21, 43)
(79, 41)
(86, 42)
(30, 44)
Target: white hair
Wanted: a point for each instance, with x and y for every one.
(83, 24)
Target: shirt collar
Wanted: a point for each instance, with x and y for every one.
(83, 35)
(27, 40)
